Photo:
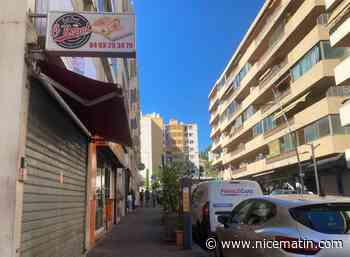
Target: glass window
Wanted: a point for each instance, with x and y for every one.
(269, 123)
(260, 212)
(306, 63)
(249, 112)
(333, 53)
(310, 133)
(324, 218)
(287, 143)
(323, 127)
(258, 129)
(336, 125)
(241, 211)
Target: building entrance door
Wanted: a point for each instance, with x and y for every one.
(100, 197)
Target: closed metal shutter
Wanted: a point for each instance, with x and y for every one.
(53, 223)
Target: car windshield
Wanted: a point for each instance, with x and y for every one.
(324, 218)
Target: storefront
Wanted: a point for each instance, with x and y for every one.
(54, 197)
(70, 192)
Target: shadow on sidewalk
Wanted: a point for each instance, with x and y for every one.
(138, 235)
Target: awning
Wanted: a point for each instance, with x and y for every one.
(291, 106)
(98, 105)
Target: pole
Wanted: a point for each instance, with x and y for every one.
(301, 174)
(315, 168)
(186, 183)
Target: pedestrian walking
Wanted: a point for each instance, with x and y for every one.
(133, 199)
(129, 199)
(154, 198)
(142, 195)
(147, 196)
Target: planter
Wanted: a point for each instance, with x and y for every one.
(169, 227)
(179, 238)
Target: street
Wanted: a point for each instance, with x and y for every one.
(138, 235)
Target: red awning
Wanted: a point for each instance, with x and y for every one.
(98, 105)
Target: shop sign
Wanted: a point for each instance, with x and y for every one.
(91, 34)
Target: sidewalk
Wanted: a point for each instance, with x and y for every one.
(138, 235)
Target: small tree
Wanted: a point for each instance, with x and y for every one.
(170, 183)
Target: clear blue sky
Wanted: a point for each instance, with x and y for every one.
(182, 47)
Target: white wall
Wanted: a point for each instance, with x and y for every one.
(146, 145)
(12, 110)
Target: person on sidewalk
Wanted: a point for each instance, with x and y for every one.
(142, 195)
(147, 196)
(129, 202)
(154, 198)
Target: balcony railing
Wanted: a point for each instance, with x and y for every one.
(270, 74)
(280, 157)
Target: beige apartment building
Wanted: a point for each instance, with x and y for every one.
(339, 29)
(278, 96)
(181, 143)
(152, 148)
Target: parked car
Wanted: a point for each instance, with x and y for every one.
(287, 218)
(213, 198)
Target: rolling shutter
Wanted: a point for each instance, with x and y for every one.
(53, 222)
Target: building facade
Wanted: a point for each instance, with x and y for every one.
(68, 160)
(276, 97)
(339, 29)
(152, 149)
(181, 142)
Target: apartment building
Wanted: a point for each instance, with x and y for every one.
(339, 29)
(181, 142)
(152, 149)
(277, 96)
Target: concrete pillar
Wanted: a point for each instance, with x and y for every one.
(12, 81)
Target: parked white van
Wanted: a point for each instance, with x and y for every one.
(213, 198)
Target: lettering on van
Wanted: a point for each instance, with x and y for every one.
(236, 191)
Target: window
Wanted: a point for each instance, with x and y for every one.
(306, 63)
(249, 112)
(333, 53)
(287, 143)
(317, 130)
(337, 127)
(241, 211)
(269, 123)
(327, 218)
(323, 127)
(310, 133)
(258, 129)
(260, 212)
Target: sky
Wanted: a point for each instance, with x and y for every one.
(182, 48)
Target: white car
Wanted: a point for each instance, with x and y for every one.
(299, 225)
(211, 199)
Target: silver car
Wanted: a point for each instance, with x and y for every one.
(286, 226)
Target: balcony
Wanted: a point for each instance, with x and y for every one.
(342, 74)
(339, 25)
(280, 157)
(269, 23)
(283, 126)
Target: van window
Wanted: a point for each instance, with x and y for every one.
(324, 218)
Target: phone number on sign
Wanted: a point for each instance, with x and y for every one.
(111, 45)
